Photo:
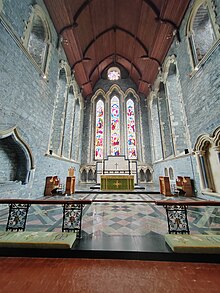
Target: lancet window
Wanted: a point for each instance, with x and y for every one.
(99, 129)
(115, 126)
(131, 130)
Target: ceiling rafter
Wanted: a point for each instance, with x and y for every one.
(147, 2)
(126, 40)
(94, 36)
(86, 3)
(135, 37)
(115, 28)
(107, 57)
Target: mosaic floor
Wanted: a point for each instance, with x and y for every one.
(118, 218)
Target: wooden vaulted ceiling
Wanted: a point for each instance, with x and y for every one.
(133, 33)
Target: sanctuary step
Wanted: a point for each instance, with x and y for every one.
(136, 187)
(148, 247)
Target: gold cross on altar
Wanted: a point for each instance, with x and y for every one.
(117, 184)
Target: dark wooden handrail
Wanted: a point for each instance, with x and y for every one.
(44, 201)
(64, 200)
(188, 203)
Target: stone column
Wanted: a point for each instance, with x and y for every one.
(201, 162)
(217, 149)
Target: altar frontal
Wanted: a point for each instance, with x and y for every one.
(117, 182)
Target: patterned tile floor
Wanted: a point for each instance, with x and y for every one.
(119, 218)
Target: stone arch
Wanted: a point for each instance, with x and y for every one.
(90, 175)
(155, 126)
(171, 173)
(207, 150)
(17, 159)
(58, 123)
(106, 97)
(166, 172)
(76, 131)
(198, 29)
(148, 175)
(37, 38)
(142, 175)
(83, 175)
(164, 122)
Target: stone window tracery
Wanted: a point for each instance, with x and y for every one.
(131, 130)
(116, 124)
(99, 140)
(203, 32)
(207, 150)
(37, 39)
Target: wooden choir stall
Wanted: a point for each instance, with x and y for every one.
(54, 187)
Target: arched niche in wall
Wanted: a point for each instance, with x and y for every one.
(207, 150)
(16, 159)
(148, 176)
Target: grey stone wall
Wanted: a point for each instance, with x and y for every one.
(145, 131)
(201, 98)
(27, 100)
(182, 166)
(164, 119)
(86, 135)
(201, 92)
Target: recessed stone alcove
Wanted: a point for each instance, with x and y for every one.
(16, 160)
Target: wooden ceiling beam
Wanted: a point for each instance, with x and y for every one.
(119, 55)
(115, 28)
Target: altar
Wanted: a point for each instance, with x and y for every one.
(117, 182)
(116, 166)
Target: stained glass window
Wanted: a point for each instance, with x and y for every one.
(114, 73)
(115, 127)
(99, 130)
(132, 151)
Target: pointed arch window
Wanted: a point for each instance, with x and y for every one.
(38, 43)
(115, 126)
(99, 130)
(131, 131)
(202, 30)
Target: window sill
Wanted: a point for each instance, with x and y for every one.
(212, 193)
(61, 158)
(198, 67)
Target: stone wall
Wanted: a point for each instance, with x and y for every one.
(201, 99)
(27, 100)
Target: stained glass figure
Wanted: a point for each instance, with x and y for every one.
(131, 136)
(115, 127)
(99, 130)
